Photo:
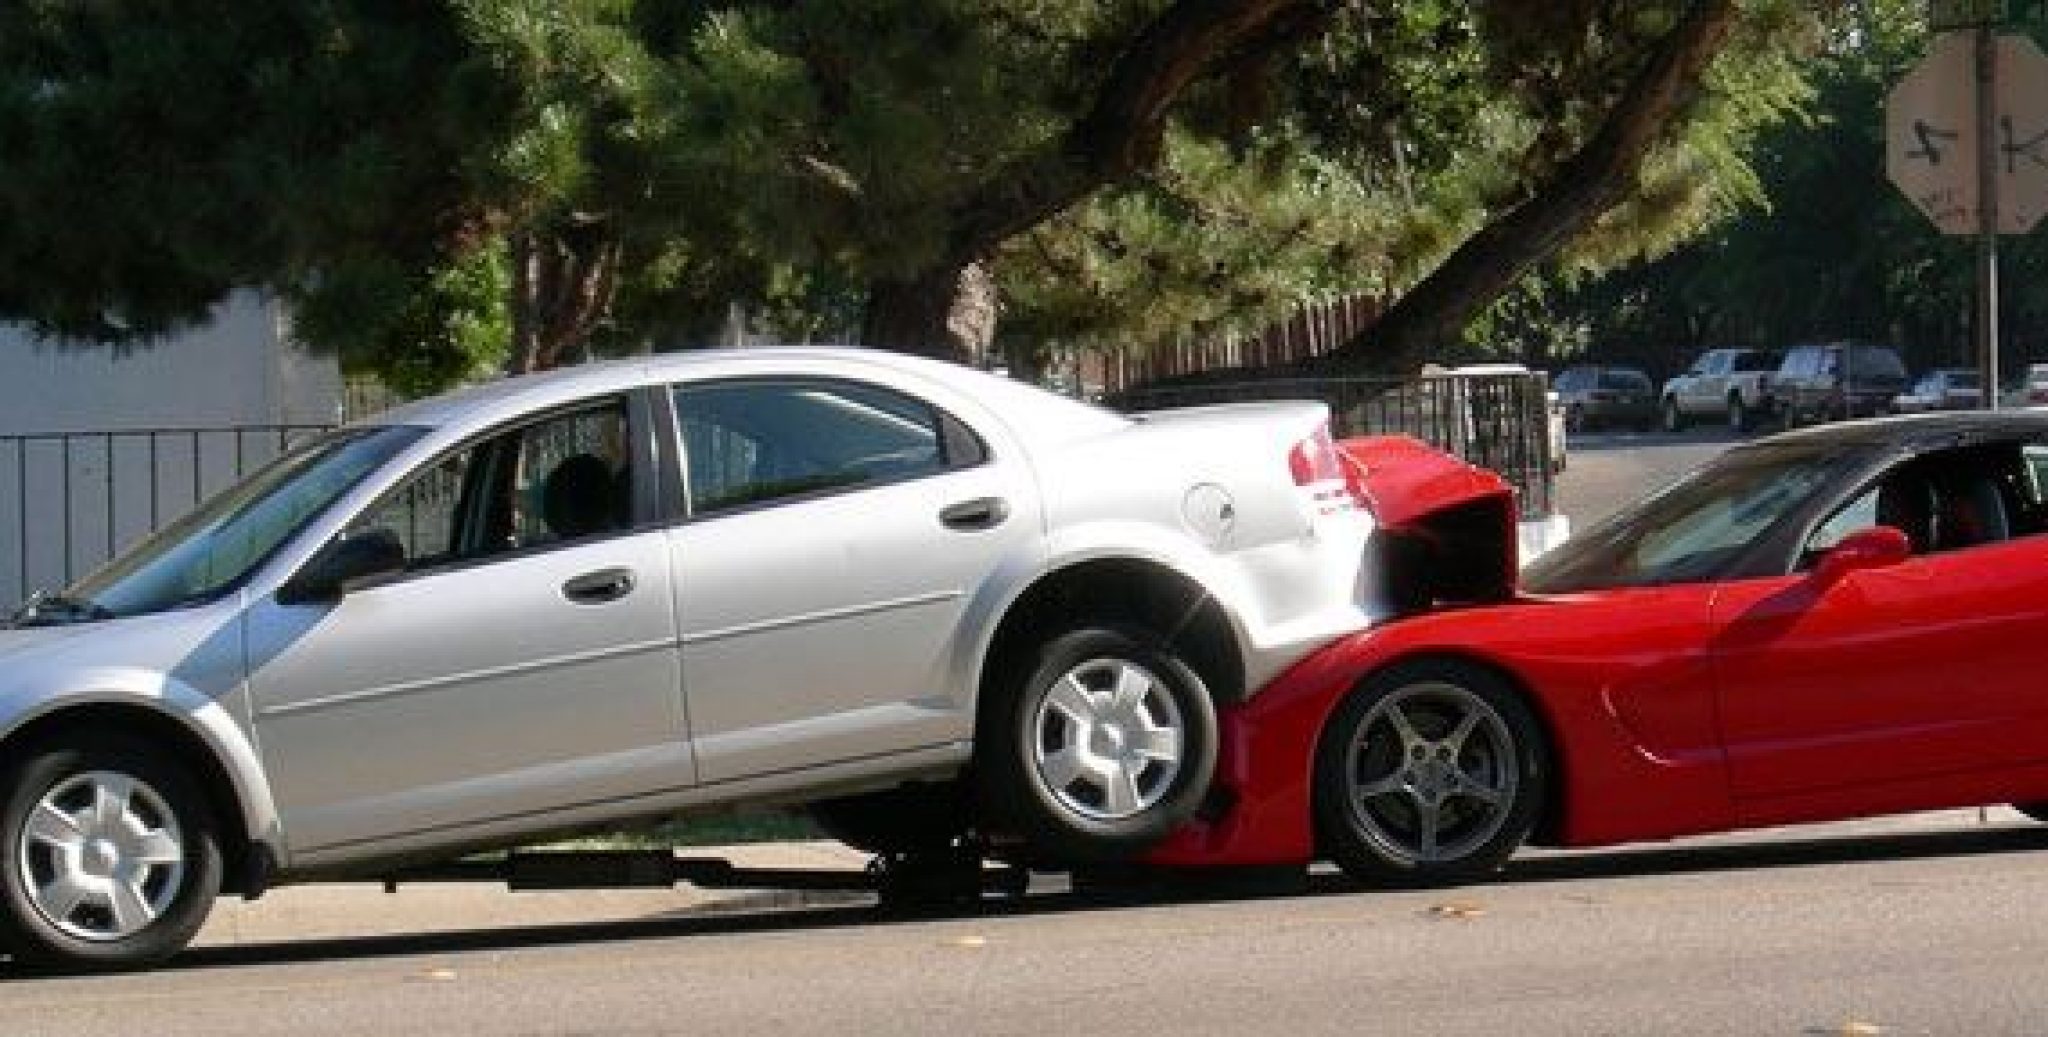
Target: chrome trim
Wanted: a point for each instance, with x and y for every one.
(824, 616)
(433, 683)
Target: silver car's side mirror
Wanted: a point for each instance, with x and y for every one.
(344, 564)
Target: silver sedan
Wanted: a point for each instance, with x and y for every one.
(909, 595)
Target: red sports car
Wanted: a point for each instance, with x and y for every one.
(1843, 621)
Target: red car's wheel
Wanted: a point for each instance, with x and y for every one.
(1429, 773)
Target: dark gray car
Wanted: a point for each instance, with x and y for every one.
(1837, 380)
(1595, 396)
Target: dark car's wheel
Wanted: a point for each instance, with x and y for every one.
(908, 819)
(1739, 419)
(1575, 419)
(1105, 745)
(1674, 420)
(1428, 774)
(109, 856)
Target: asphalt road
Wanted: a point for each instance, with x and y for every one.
(1934, 925)
(1608, 471)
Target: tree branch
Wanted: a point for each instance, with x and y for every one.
(1122, 132)
(1567, 201)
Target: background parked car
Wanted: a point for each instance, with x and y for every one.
(1596, 396)
(2034, 389)
(1951, 388)
(1734, 384)
(1837, 380)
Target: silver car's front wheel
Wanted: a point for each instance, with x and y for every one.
(1100, 750)
(110, 854)
(102, 856)
(1428, 773)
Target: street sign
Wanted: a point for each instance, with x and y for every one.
(1931, 142)
(1943, 15)
(2022, 135)
(1931, 135)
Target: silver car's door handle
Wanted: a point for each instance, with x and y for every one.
(979, 513)
(599, 587)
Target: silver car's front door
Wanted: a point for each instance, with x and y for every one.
(525, 662)
(837, 535)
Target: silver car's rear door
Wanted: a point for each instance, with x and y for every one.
(837, 532)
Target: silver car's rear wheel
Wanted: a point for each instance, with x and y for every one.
(109, 856)
(1428, 773)
(1108, 740)
(1098, 751)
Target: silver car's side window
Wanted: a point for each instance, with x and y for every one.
(565, 477)
(754, 441)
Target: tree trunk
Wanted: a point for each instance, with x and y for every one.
(1564, 204)
(563, 280)
(950, 309)
(949, 314)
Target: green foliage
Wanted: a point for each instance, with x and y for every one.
(369, 159)
(1836, 252)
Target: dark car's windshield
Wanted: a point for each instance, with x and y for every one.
(211, 549)
(1693, 529)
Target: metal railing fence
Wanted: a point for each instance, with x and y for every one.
(1495, 421)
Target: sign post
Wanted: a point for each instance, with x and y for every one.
(1967, 142)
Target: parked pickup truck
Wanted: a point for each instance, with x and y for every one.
(1729, 384)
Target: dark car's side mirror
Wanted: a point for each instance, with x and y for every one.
(344, 564)
(1872, 548)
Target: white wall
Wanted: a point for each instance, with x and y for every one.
(239, 369)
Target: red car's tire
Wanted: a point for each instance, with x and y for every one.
(1072, 760)
(1429, 773)
(109, 854)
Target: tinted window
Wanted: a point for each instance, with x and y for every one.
(562, 478)
(748, 442)
(1876, 361)
(1625, 381)
(1756, 361)
(1694, 529)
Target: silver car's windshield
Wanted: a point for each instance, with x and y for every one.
(214, 547)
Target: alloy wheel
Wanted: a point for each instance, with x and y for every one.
(1432, 773)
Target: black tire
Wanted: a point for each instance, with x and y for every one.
(1378, 836)
(1739, 416)
(1022, 732)
(1674, 419)
(1575, 420)
(925, 817)
(166, 803)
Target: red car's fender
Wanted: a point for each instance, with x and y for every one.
(1635, 747)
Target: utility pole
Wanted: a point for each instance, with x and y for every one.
(1987, 214)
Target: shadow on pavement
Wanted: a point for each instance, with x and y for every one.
(763, 915)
